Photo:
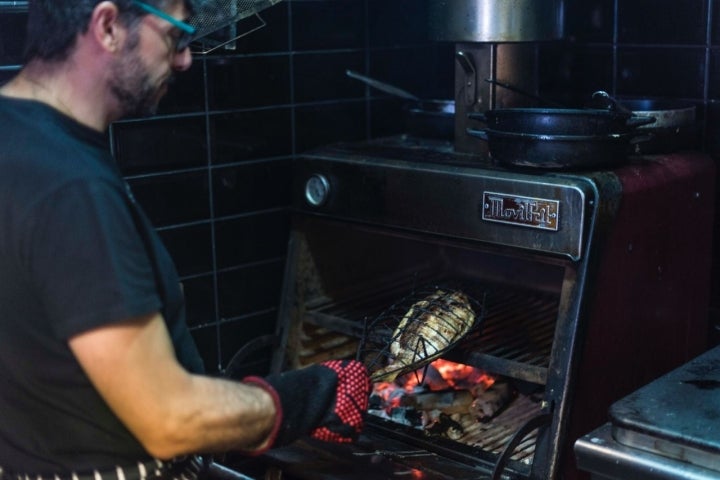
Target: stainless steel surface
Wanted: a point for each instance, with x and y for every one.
(674, 415)
(416, 211)
(668, 448)
(507, 63)
(496, 20)
(599, 454)
(458, 195)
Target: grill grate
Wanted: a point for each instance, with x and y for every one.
(515, 338)
(422, 326)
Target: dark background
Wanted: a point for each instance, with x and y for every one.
(212, 168)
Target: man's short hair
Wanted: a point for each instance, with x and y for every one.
(54, 25)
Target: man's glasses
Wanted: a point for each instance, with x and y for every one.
(186, 30)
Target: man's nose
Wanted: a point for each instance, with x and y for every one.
(182, 60)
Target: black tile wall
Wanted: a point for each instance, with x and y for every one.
(213, 166)
(663, 22)
(397, 23)
(321, 124)
(200, 301)
(251, 134)
(190, 247)
(321, 76)
(570, 73)
(161, 144)
(250, 187)
(186, 93)
(661, 72)
(425, 73)
(590, 21)
(245, 239)
(328, 25)
(173, 198)
(252, 81)
(253, 287)
(12, 38)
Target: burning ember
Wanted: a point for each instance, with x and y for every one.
(451, 395)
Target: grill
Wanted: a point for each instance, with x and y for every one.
(582, 278)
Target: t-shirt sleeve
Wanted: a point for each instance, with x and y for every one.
(86, 258)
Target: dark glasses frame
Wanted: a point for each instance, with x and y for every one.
(186, 30)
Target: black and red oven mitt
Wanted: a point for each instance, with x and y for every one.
(327, 401)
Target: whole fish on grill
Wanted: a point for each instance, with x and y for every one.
(430, 326)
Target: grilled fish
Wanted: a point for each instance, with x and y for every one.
(429, 327)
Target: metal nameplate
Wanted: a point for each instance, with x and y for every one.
(523, 211)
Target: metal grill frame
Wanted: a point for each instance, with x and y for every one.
(393, 196)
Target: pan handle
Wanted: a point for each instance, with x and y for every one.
(525, 93)
(637, 121)
(477, 133)
(382, 86)
(477, 116)
(468, 67)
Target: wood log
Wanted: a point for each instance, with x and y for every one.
(490, 402)
(447, 401)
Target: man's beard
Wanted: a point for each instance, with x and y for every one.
(136, 94)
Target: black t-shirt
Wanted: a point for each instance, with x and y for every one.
(76, 252)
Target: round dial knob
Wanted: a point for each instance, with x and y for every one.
(317, 189)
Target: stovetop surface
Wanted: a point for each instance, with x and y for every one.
(411, 149)
(677, 415)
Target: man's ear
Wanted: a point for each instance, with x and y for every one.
(105, 27)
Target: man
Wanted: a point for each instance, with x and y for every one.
(99, 377)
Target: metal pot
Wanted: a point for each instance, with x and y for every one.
(495, 20)
(560, 121)
(558, 152)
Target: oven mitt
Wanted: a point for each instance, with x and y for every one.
(327, 401)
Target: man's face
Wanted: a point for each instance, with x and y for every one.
(146, 65)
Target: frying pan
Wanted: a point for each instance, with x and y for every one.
(560, 121)
(667, 113)
(675, 126)
(424, 117)
(558, 152)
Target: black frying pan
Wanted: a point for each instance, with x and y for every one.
(434, 118)
(558, 152)
(560, 121)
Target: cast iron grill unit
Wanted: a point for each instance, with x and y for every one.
(373, 222)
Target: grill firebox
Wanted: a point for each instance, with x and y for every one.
(583, 277)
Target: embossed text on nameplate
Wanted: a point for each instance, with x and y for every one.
(524, 211)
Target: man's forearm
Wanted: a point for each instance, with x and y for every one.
(171, 412)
